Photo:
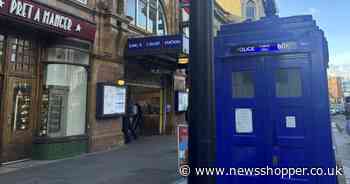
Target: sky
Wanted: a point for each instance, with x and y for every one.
(333, 16)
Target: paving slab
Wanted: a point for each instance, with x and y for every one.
(149, 160)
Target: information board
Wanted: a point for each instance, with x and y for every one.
(111, 100)
(182, 101)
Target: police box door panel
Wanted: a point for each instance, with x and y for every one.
(290, 115)
(290, 98)
(265, 107)
(243, 117)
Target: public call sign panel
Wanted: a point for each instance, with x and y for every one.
(42, 16)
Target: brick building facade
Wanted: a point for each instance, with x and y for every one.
(335, 89)
(54, 53)
(78, 44)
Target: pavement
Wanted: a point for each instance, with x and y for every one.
(342, 144)
(149, 160)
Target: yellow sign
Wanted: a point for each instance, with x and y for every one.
(120, 82)
(183, 61)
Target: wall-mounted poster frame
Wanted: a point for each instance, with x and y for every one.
(110, 100)
(181, 97)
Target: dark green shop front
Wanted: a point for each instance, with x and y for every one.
(58, 148)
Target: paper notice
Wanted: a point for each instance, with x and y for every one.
(291, 122)
(244, 120)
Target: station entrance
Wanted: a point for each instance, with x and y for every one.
(149, 99)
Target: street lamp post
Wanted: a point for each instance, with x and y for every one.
(202, 131)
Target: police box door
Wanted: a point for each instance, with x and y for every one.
(264, 107)
(241, 117)
(290, 129)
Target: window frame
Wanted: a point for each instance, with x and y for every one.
(240, 96)
(136, 13)
(250, 7)
(43, 83)
(287, 73)
(44, 64)
(29, 50)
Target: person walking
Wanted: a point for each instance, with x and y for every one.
(126, 128)
(138, 119)
(128, 119)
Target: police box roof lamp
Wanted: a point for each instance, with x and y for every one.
(270, 8)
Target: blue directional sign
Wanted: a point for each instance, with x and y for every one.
(173, 44)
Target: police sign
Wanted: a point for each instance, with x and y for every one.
(268, 47)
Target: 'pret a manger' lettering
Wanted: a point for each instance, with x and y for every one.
(29, 11)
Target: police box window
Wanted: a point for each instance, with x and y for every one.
(243, 84)
(288, 83)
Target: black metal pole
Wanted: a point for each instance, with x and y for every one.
(202, 131)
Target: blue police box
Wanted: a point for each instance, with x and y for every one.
(272, 100)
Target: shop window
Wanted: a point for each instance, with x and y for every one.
(22, 99)
(65, 55)
(243, 84)
(22, 55)
(251, 10)
(288, 83)
(64, 95)
(64, 100)
(148, 15)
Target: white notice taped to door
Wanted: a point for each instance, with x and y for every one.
(244, 120)
(291, 122)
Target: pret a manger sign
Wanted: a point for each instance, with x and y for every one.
(25, 10)
(52, 19)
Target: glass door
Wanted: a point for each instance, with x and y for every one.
(18, 125)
